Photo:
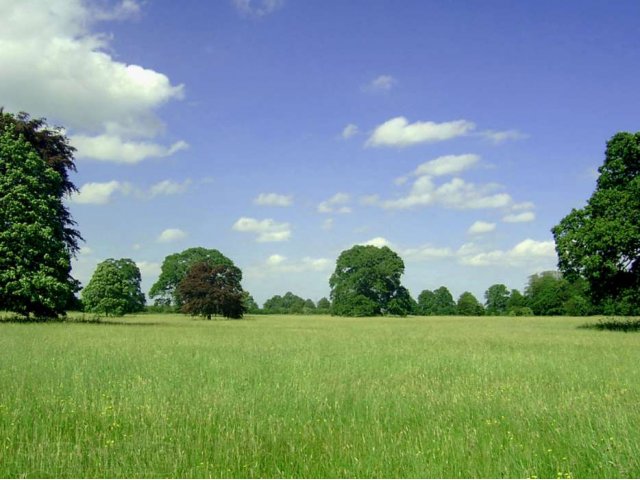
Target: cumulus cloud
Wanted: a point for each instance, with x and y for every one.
(447, 165)
(100, 193)
(273, 200)
(427, 252)
(112, 148)
(524, 253)
(54, 65)
(498, 137)
(267, 230)
(349, 131)
(456, 193)
(519, 217)
(257, 8)
(378, 242)
(171, 235)
(382, 83)
(479, 227)
(169, 187)
(398, 132)
(336, 204)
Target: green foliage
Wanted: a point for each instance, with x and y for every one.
(114, 289)
(323, 306)
(516, 300)
(549, 293)
(426, 303)
(208, 290)
(601, 242)
(366, 282)
(521, 312)
(35, 261)
(287, 304)
(174, 269)
(52, 146)
(250, 305)
(468, 305)
(497, 299)
(443, 303)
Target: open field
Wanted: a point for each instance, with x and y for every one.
(168, 396)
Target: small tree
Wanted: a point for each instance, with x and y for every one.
(468, 305)
(324, 305)
(443, 302)
(250, 304)
(114, 288)
(496, 299)
(209, 290)
(426, 303)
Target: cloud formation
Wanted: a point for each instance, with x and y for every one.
(519, 217)
(398, 132)
(112, 148)
(524, 253)
(267, 230)
(349, 131)
(273, 200)
(171, 235)
(479, 227)
(336, 204)
(100, 193)
(498, 137)
(382, 83)
(257, 8)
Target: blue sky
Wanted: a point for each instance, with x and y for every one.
(282, 132)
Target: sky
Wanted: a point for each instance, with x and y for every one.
(283, 132)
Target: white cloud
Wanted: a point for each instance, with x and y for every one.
(447, 165)
(427, 252)
(523, 206)
(98, 193)
(54, 65)
(279, 264)
(276, 259)
(149, 269)
(336, 204)
(111, 148)
(273, 200)
(519, 217)
(479, 227)
(524, 253)
(171, 235)
(169, 187)
(456, 194)
(503, 136)
(257, 8)
(398, 132)
(382, 83)
(267, 230)
(349, 131)
(84, 251)
(378, 242)
(370, 200)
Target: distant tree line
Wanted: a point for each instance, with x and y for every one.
(598, 248)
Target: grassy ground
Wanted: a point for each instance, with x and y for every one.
(168, 396)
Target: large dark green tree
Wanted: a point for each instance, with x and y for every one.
(496, 299)
(468, 305)
(443, 302)
(174, 269)
(601, 242)
(35, 250)
(366, 282)
(208, 290)
(426, 303)
(114, 288)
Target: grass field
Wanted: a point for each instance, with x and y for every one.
(275, 396)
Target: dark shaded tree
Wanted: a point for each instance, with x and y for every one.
(114, 288)
(366, 282)
(496, 299)
(35, 259)
(323, 306)
(53, 148)
(601, 242)
(287, 304)
(468, 305)
(426, 303)
(174, 269)
(208, 290)
(549, 293)
(443, 303)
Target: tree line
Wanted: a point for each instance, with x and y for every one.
(598, 248)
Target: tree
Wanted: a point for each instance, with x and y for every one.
(52, 147)
(601, 242)
(426, 303)
(114, 288)
(443, 303)
(324, 304)
(289, 303)
(469, 305)
(250, 305)
(517, 304)
(208, 290)
(496, 299)
(366, 281)
(35, 260)
(309, 306)
(174, 269)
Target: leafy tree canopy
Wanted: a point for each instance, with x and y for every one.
(497, 299)
(35, 261)
(426, 303)
(469, 305)
(443, 303)
(208, 290)
(601, 242)
(289, 303)
(323, 305)
(175, 268)
(366, 282)
(549, 293)
(114, 288)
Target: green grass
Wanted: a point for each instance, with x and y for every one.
(168, 396)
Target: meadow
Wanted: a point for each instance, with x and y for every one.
(294, 396)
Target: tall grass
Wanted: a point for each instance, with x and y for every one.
(168, 396)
